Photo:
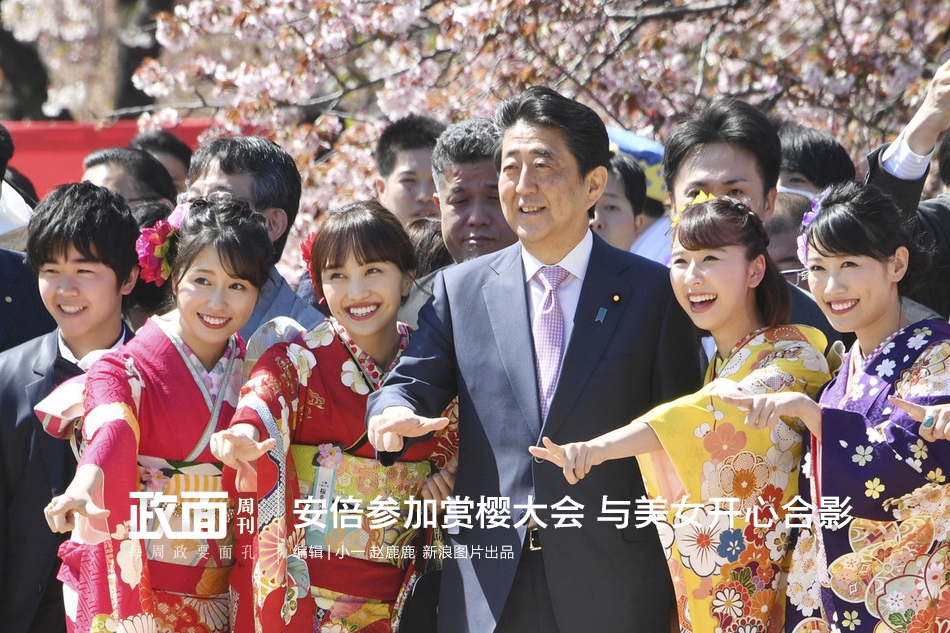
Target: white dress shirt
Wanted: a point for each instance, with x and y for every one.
(569, 292)
(899, 160)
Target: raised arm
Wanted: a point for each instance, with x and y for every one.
(903, 181)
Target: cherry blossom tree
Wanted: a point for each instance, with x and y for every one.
(322, 76)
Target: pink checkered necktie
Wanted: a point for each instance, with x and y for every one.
(548, 331)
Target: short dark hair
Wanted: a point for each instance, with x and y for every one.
(164, 142)
(790, 208)
(583, 130)
(631, 177)
(366, 230)
(653, 208)
(22, 184)
(275, 180)
(859, 219)
(429, 245)
(731, 121)
(943, 160)
(238, 234)
(6, 148)
(149, 178)
(463, 143)
(410, 132)
(89, 218)
(720, 222)
(815, 154)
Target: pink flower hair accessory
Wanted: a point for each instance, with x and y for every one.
(177, 217)
(152, 246)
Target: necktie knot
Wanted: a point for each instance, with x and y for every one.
(552, 277)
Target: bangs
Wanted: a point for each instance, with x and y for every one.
(47, 251)
(243, 263)
(365, 230)
(701, 228)
(365, 243)
(836, 232)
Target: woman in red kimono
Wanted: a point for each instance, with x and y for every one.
(150, 410)
(333, 549)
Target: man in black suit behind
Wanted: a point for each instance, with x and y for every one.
(901, 168)
(627, 346)
(22, 315)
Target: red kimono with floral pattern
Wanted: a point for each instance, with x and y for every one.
(310, 394)
(150, 410)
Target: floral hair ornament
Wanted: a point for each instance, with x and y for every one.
(699, 198)
(807, 219)
(152, 246)
(306, 247)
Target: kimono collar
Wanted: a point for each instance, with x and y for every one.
(370, 369)
(717, 363)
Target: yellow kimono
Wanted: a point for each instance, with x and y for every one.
(719, 487)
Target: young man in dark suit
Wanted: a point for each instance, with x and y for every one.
(731, 149)
(621, 345)
(81, 244)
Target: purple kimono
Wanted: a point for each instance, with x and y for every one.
(886, 569)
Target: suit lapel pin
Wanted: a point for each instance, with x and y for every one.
(600, 315)
(615, 299)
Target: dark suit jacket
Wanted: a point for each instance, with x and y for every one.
(22, 313)
(419, 294)
(474, 340)
(927, 222)
(35, 468)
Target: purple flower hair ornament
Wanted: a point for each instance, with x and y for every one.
(807, 219)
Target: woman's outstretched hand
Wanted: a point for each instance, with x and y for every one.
(934, 420)
(238, 447)
(235, 445)
(575, 459)
(61, 511)
(764, 411)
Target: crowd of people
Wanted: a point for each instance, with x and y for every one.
(514, 393)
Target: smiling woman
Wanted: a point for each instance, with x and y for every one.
(866, 451)
(150, 410)
(307, 399)
(695, 450)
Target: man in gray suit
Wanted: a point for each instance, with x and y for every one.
(617, 345)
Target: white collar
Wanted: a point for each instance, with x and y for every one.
(92, 356)
(574, 262)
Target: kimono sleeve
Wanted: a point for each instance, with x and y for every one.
(268, 399)
(705, 437)
(111, 433)
(875, 459)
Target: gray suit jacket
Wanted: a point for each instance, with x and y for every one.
(632, 347)
(278, 299)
